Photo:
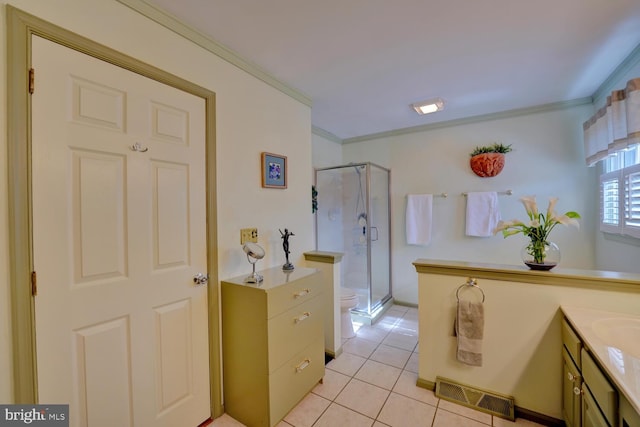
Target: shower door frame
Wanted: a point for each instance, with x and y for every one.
(371, 307)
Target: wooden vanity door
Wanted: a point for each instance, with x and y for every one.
(571, 401)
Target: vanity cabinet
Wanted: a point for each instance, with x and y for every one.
(272, 343)
(600, 389)
(571, 391)
(572, 376)
(591, 415)
(590, 398)
(628, 416)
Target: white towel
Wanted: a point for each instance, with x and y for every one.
(418, 221)
(483, 213)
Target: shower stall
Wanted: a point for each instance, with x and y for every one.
(354, 218)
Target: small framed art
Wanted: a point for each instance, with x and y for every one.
(274, 171)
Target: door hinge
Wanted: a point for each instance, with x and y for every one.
(34, 284)
(32, 80)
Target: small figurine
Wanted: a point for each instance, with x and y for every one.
(285, 245)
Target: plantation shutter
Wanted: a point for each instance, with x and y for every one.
(631, 224)
(610, 202)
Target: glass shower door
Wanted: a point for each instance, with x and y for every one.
(355, 265)
(353, 218)
(379, 237)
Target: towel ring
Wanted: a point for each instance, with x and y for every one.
(471, 282)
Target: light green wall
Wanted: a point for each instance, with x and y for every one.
(547, 161)
(251, 117)
(326, 153)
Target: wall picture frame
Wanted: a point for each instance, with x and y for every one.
(274, 170)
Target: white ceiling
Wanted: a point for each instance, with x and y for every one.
(363, 62)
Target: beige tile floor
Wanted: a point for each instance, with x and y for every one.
(373, 383)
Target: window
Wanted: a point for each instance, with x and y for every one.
(612, 138)
(620, 193)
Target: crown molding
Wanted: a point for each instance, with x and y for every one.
(325, 134)
(613, 80)
(172, 23)
(475, 119)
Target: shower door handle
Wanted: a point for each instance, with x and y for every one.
(373, 239)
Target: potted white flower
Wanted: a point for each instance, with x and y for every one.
(536, 255)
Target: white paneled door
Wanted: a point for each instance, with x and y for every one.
(119, 232)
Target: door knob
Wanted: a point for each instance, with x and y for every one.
(201, 279)
(137, 147)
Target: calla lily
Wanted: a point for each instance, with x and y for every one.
(530, 206)
(507, 233)
(567, 220)
(503, 225)
(551, 210)
(539, 226)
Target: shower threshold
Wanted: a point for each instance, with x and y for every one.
(365, 318)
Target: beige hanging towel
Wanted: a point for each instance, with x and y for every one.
(469, 332)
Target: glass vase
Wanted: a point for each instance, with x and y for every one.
(540, 256)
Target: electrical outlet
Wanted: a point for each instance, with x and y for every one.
(248, 235)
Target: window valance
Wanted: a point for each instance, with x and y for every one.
(615, 126)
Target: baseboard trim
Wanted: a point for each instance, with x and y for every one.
(405, 303)
(537, 417)
(429, 385)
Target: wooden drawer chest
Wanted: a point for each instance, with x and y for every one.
(272, 343)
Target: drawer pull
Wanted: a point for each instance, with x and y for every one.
(577, 391)
(304, 316)
(302, 293)
(573, 378)
(303, 365)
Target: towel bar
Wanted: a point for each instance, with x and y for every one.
(444, 195)
(471, 282)
(506, 193)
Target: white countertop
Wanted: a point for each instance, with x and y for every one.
(620, 365)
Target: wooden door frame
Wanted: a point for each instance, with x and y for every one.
(21, 26)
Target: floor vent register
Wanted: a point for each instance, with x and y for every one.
(481, 400)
